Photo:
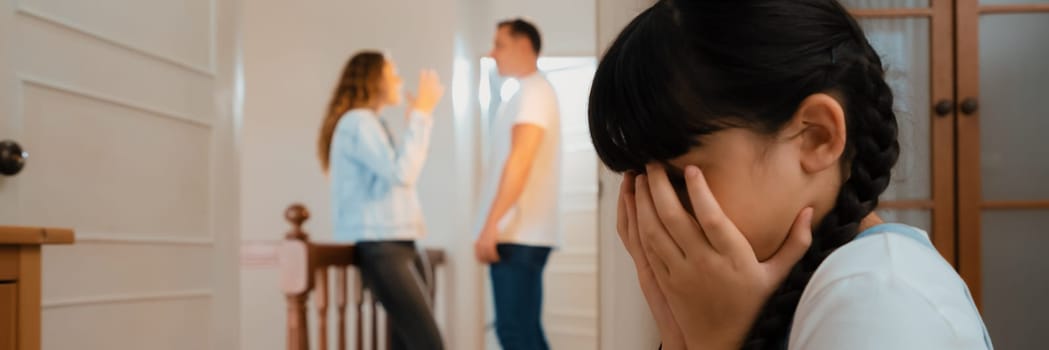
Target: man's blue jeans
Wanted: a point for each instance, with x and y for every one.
(517, 286)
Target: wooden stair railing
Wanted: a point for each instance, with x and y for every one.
(304, 270)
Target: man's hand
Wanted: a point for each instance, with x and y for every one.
(484, 247)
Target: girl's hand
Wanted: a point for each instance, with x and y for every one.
(707, 270)
(626, 225)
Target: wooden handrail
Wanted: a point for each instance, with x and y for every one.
(305, 268)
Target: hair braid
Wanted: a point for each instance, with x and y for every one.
(869, 157)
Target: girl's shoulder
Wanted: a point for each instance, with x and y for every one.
(893, 252)
(883, 284)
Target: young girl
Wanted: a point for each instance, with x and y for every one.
(739, 124)
(373, 189)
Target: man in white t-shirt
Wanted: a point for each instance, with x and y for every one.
(519, 198)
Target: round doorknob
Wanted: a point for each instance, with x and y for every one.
(943, 107)
(969, 106)
(12, 158)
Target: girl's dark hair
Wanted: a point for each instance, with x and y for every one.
(359, 86)
(688, 68)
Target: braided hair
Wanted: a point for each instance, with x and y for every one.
(359, 86)
(683, 69)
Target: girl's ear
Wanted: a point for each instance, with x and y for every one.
(818, 128)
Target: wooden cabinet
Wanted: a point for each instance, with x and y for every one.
(20, 283)
(8, 300)
(971, 85)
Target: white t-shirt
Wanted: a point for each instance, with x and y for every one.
(887, 290)
(534, 219)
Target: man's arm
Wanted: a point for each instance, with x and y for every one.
(525, 141)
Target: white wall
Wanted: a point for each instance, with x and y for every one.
(292, 55)
(626, 322)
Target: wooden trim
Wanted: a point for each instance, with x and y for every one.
(320, 301)
(906, 204)
(326, 255)
(942, 140)
(967, 72)
(29, 281)
(340, 304)
(1016, 204)
(893, 12)
(9, 268)
(1017, 8)
(298, 329)
(18, 235)
(8, 318)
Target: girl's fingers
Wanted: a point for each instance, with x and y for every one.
(651, 229)
(681, 225)
(720, 231)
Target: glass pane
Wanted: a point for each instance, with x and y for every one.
(1015, 277)
(920, 218)
(904, 47)
(1012, 2)
(1014, 106)
(880, 4)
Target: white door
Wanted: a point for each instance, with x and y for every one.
(126, 108)
(570, 310)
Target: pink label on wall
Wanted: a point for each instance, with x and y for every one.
(259, 254)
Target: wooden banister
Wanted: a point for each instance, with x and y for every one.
(340, 304)
(320, 298)
(305, 268)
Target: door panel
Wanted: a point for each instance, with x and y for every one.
(63, 56)
(1001, 149)
(1002, 161)
(177, 323)
(126, 110)
(155, 196)
(1014, 277)
(1013, 105)
(152, 22)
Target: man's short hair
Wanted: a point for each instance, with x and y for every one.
(521, 27)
